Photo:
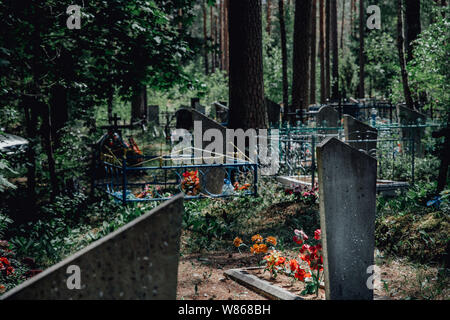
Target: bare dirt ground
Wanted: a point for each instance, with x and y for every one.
(201, 277)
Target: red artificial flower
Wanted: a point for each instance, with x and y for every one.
(297, 240)
(9, 270)
(304, 248)
(317, 234)
(302, 274)
(293, 265)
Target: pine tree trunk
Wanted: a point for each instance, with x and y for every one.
(334, 46)
(342, 24)
(323, 89)
(352, 12)
(401, 55)
(211, 32)
(284, 59)
(59, 112)
(413, 27)
(302, 41)
(312, 96)
(47, 139)
(222, 35)
(31, 120)
(205, 38)
(269, 17)
(247, 104)
(110, 100)
(327, 48)
(138, 104)
(361, 50)
(227, 36)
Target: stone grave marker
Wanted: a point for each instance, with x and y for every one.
(355, 130)
(153, 114)
(221, 112)
(327, 116)
(195, 104)
(184, 119)
(347, 186)
(409, 117)
(137, 261)
(214, 177)
(273, 112)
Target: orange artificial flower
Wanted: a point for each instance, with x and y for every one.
(258, 248)
(237, 242)
(272, 240)
(257, 238)
(280, 261)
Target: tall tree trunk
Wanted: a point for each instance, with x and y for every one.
(269, 16)
(222, 35)
(247, 104)
(216, 37)
(352, 12)
(342, 24)
(46, 133)
(302, 40)
(361, 89)
(401, 55)
(327, 48)
(284, 59)
(413, 27)
(334, 47)
(59, 109)
(138, 104)
(211, 32)
(323, 89)
(31, 120)
(110, 106)
(312, 96)
(205, 38)
(227, 35)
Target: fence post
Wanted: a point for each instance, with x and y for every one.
(413, 155)
(313, 162)
(124, 178)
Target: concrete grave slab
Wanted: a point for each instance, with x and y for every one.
(347, 188)
(137, 261)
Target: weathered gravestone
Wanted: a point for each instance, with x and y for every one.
(214, 177)
(347, 186)
(221, 112)
(409, 117)
(138, 261)
(273, 112)
(184, 119)
(360, 135)
(153, 114)
(195, 104)
(328, 117)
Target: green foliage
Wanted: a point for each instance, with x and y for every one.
(429, 72)
(382, 62)
(273, 70)
(4, 168)
(408, 225)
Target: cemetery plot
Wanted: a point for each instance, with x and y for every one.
(163, 180)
